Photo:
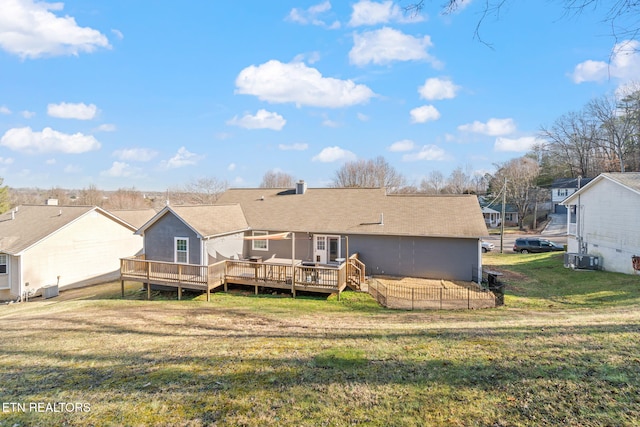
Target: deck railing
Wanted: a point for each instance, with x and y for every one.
(279, 275)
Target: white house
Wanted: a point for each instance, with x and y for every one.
(604, 220)
(69, 246)
(562, 188)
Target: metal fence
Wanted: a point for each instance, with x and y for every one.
(411, 297)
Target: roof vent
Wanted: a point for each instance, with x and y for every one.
(301, 187)
(51, 202)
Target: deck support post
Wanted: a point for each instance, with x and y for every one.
(179, 292)
(122, 287)
(208, 293)
(148, 290)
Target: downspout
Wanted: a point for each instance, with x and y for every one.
(20, 287)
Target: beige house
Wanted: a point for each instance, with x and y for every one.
(68, 246)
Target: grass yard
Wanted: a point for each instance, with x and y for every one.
(563, 351)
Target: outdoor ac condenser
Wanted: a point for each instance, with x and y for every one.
(50, 291)
(582, 261)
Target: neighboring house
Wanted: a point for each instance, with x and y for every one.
(562, 188)
(199, 235)
(492, 214)
(403, 235)
(65, 245)
(491, 217)
(605, 220)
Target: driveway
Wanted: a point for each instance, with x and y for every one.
(556, 231)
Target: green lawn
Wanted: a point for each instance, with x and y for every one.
(563, 351)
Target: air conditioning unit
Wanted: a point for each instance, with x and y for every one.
(50, 291)
(582, 261)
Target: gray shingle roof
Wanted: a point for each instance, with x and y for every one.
(32, 223)
(628, 179)
(359, 211)
(206, 220)
(135, 217)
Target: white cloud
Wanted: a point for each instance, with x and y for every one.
(330, 123)
(262, 120)
(438, 88)
(30, 142)
(367, 12)
(427, 152)
(31, 29)
(298, 146)
(424, 114)
(72, 169)
(362, 117)
(402, 145)
(79, 111)
(386, 45)
(6, 160)
(312, 16)
(520, 145)
(119, 170)
(135, 154)
(624, 64)
(494, 127)
(277, 82)
(51, 161)
(334, 154)
(231, 167)
(4, 110)
(182, 158)
(106, 127)
(117, 33)
(27, 114)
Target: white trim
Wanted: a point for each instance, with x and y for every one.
(7, 274)
(175, 249)
(6, 263)
(325, 256)
(266, 241)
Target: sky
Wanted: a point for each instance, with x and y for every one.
(154, 95)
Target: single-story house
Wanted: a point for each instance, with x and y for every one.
(561, 188)
(604, 220)
(68, 246)
(493, 214)
(404, 235)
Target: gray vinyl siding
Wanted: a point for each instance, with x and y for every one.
(428, 257)
(159, 240)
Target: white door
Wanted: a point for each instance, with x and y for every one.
(320, 249)
(326, 249)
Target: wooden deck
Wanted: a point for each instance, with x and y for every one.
(277, 274)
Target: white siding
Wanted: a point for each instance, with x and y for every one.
(86, 251)
(610, 225)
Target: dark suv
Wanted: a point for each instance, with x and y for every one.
(534, 245)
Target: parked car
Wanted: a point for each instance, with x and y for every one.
(535, 245)
(487, 246)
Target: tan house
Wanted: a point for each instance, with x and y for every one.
(68, 246)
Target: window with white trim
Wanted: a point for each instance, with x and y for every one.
(181, 255)
(3, 264)
(320, 243)
(260, 244)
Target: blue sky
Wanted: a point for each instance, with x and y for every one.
(152, 95)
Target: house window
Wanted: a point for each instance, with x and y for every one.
(3, 264)
(320, 243)
(181, 250)
(563, 192)
(260, 244)
(508, 217)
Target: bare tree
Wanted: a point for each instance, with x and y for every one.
(369, 174)
(4, 197)
(201, 191)
(91, 196)
(433, 184)
(520, 175)
(458, 182)
(273, 179)
(619, 15)
(126, 198)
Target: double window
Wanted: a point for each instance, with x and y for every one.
(260, 244)
(3, 264)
